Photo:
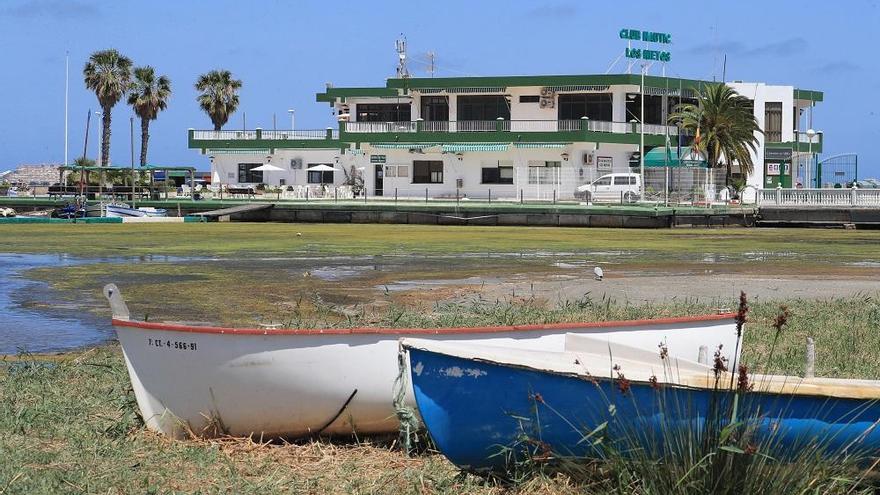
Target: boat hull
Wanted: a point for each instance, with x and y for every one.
(492, 415)
(191, 379)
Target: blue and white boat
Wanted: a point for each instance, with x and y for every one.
(122, 210)
(486, 407)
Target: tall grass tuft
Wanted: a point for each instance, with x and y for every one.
(720, 440)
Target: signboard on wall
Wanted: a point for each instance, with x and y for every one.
(377, 158)
(777, 154)
(604, 163)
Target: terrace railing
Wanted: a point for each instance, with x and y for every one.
(305, 134)
(507, 126)
(301, 135)
(224, 135)
(868, 198)
(451, 126)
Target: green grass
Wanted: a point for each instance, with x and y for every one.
(68, 424)
(811, 245)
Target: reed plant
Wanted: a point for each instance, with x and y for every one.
(722, 440)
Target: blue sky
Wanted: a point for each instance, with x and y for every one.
(285, 51)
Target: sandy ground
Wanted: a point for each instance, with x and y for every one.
(636, 288)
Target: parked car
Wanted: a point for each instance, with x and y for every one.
(611, 188)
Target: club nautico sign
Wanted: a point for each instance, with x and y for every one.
(647, 37)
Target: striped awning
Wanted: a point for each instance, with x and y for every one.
(461, 147)
(552, 146)
(402, 146)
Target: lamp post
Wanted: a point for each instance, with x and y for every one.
(131, 133)
(100, 157)
(292, 118)
(810, 135)
(642, 138)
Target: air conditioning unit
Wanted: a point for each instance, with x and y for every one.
(296, 164)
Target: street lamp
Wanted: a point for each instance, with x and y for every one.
(810, 135)
(292, 118)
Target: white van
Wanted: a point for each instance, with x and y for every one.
(615, 188)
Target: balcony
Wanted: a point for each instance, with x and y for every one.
(259, 139)
(801, 143)
(542, 131)
(468, 126)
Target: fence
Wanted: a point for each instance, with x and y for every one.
(869, 198)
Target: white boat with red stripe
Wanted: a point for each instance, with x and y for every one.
(207, 380)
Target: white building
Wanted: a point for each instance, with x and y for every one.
(508, 136)
(33, 175)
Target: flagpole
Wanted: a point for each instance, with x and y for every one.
(642, 137)
(66, 99)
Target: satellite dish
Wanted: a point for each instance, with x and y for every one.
(599, 273)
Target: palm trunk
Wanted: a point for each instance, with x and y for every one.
(217, 126)
(105, 136)
(145, 138)
(105, 145)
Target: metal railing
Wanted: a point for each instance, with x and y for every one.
(508, 126)
(819, 197)
(802, 137)
(304, 134)
(378, 127)
(223, 135)
(441, 126)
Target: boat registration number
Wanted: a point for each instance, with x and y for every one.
(172, 344)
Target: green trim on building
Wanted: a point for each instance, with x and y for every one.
(809, 94)
(559, 80)
(331, 94)
(798, 146)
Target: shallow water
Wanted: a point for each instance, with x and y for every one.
(30, 322)
(37, 318)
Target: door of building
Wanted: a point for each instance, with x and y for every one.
(380, 179)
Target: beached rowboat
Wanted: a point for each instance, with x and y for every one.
(296, 382)
(488, 407)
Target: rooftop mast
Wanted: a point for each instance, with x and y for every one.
(400, 45)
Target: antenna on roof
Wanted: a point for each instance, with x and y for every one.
(431, 66)
(724, 69)
(400, 45)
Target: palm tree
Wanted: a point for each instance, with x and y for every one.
(218, 95)
(724, 125)
(108, 74)
(148, 96)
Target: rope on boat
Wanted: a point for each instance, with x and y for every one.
(409, 420)
(336, 416)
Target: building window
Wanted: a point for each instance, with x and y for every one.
(427, 172)
(319, 177)
(498, 174)
(773, 122)
(529, 99)
(544, 172)
(383, 112)
(595, 106)
(483, 107)
(435, 108)
(654, 112)
(246, 174)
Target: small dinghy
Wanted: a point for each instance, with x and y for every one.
(296, 382)
(489, 407)
(122, 210)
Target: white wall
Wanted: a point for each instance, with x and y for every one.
(571, 173)
(226, 165)
(762, 93)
